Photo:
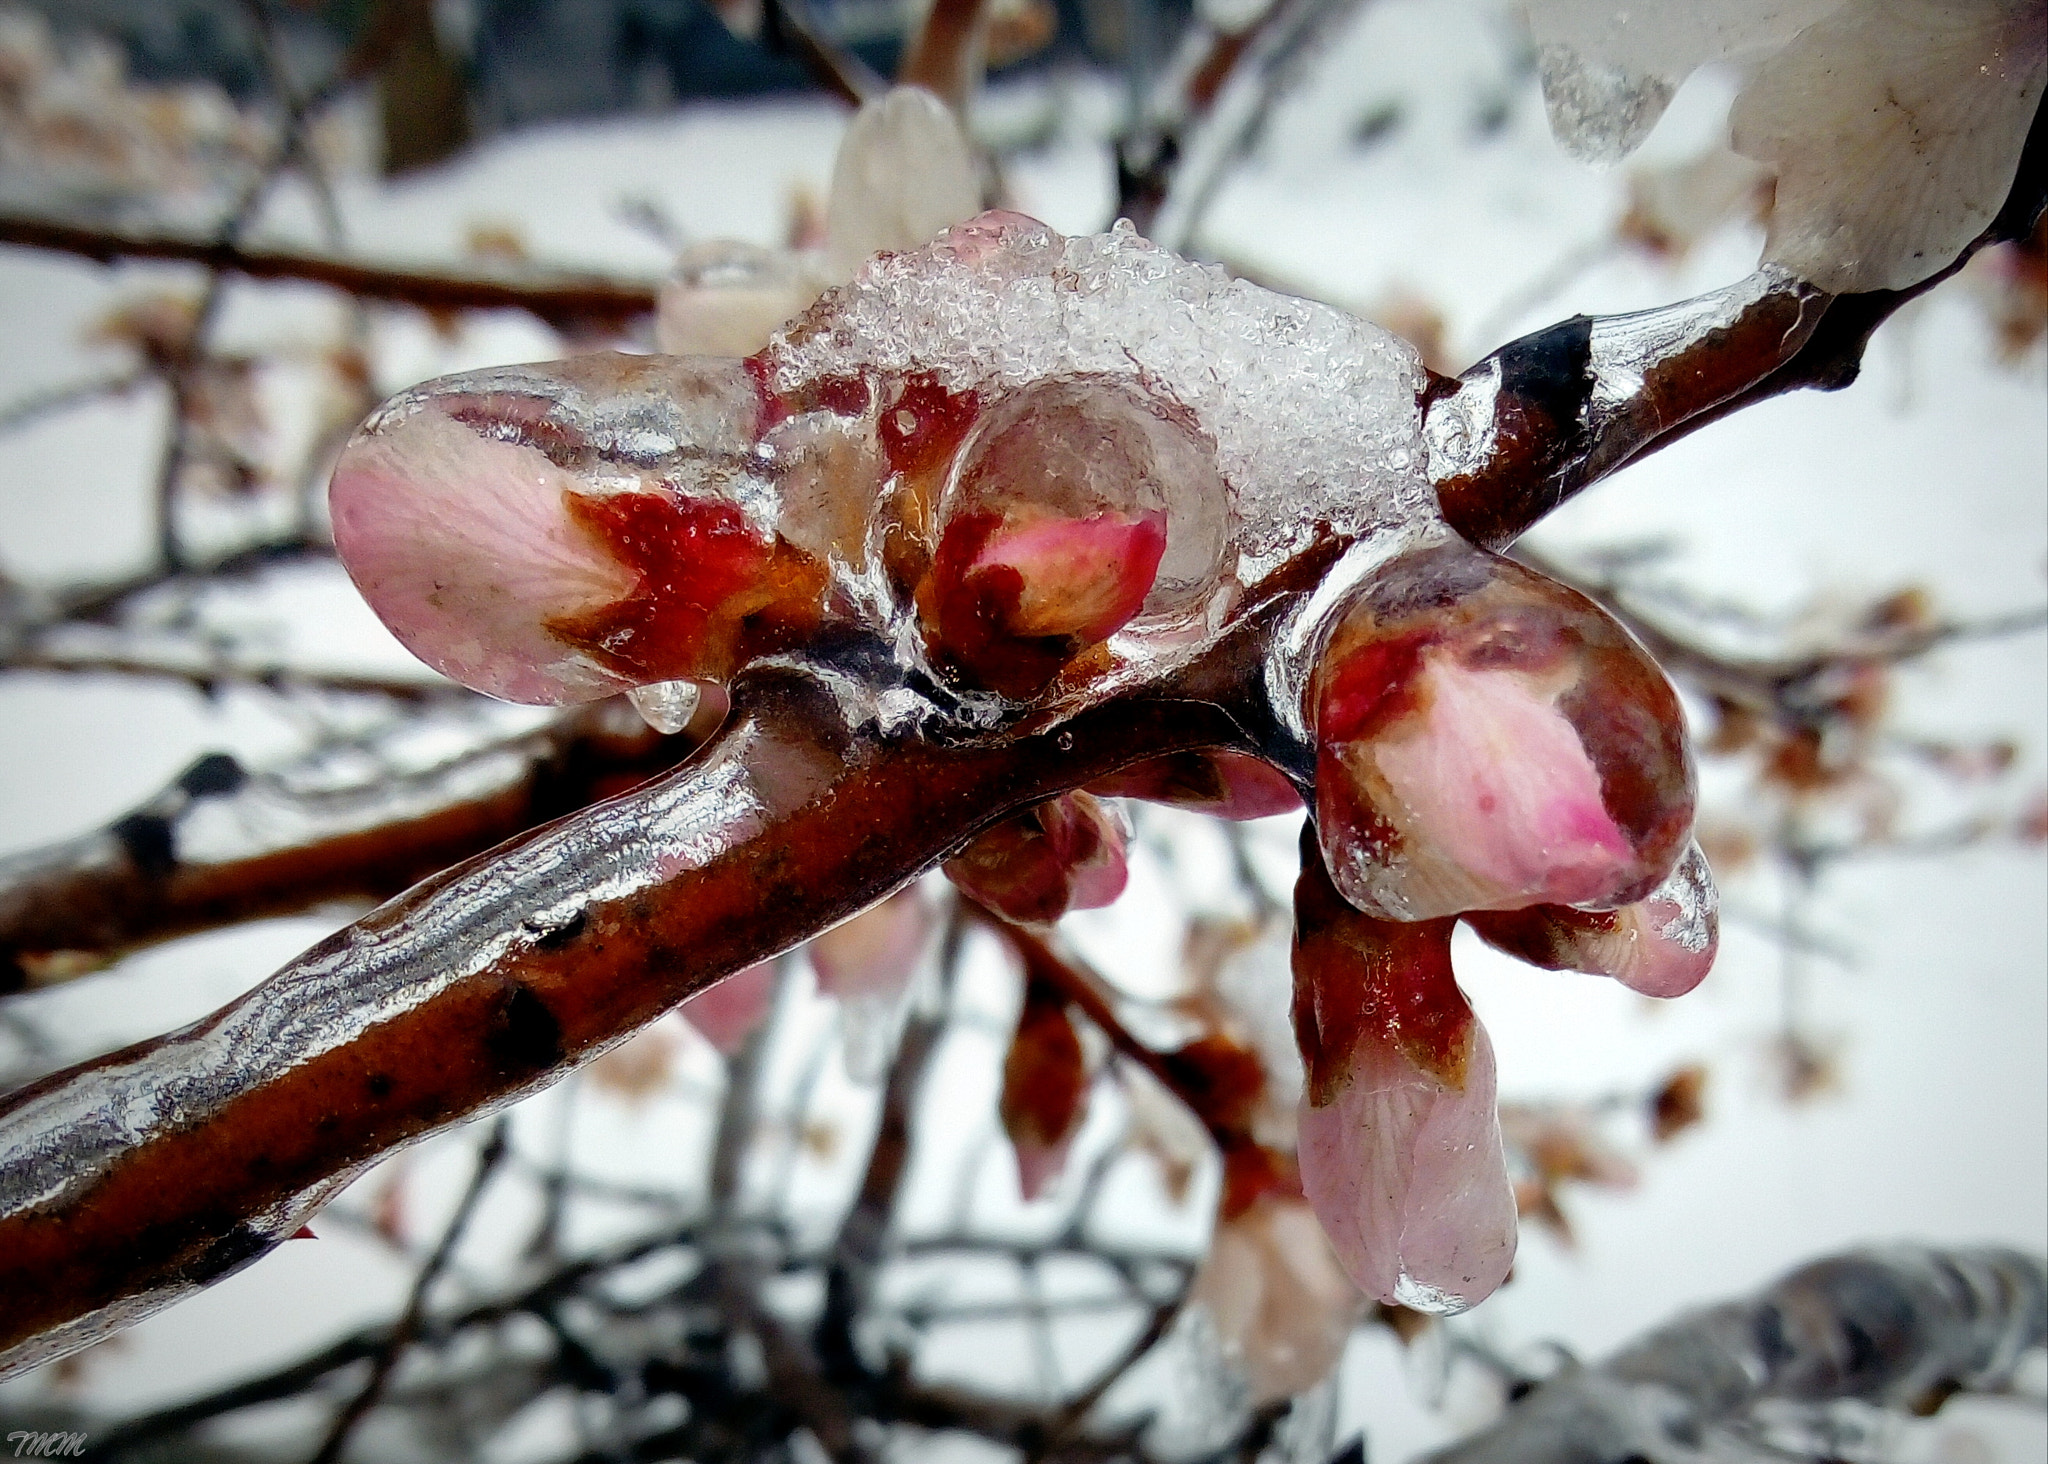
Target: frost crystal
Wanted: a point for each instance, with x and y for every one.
(1314, 413)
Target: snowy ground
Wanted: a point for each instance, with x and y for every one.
(1933, 470)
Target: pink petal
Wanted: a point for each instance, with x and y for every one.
(727, 1013)
(1408, 1176)
(464, 547)
(1083, 578)
(874, 953)
(1510, 801)
(1662, 945)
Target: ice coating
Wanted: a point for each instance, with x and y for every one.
(1314, 414)
(1608, 69)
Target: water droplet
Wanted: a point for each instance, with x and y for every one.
(667, 706)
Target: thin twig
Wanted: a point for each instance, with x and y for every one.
(410, 1320)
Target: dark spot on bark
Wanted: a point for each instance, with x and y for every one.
(213, 776)
(230, 1253)
(524, 1036)
(379, 1085)
(552, 936)
(1773, 1347)
(1550, 370)
(150, 841)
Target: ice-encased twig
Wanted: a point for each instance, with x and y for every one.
(1552, 413)
(128, 1182)
(1900, 1327)
(220, 844)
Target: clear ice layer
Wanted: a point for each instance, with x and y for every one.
(1315, 414)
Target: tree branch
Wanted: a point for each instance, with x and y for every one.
(147, 877)
(128, 1182)
(1546, 416)
(564, 299)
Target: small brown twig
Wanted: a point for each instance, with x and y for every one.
(410, 1320)
(564, 299)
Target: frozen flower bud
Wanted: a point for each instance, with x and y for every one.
(1895, 127)
(729, 1012)
(1661, 945)
(1045, 1088)
(1281, 1306)
(866, 963)
(904, 172)
(1400, 1145)
(875, 952)
(726, 298)
(1064, 854)
(1233, 785)
(1059, 527)
(1489, 739)
(561, 532)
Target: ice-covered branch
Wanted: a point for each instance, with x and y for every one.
(221, 844)
(1900, 1328)
(127, 1182)
(1546, 416)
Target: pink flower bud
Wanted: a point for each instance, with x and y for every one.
(1064, 854)
(874, 953)
(1281, 1305)
(558, 533)
(1045, 1088)
(1231, 785)
(1400, 1145)
(1661, 945)
(1488, 739)
(1074, 506)
(728, 1012)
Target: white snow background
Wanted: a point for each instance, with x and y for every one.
(1932, 470)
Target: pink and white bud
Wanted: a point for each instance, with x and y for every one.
(875, 952)
(561, 532)
(1488, 739)
(1074, 506)
(1662, 945)
(1399, 1140)
(1064, 854)
(728, 1013)
(1280, 1303)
